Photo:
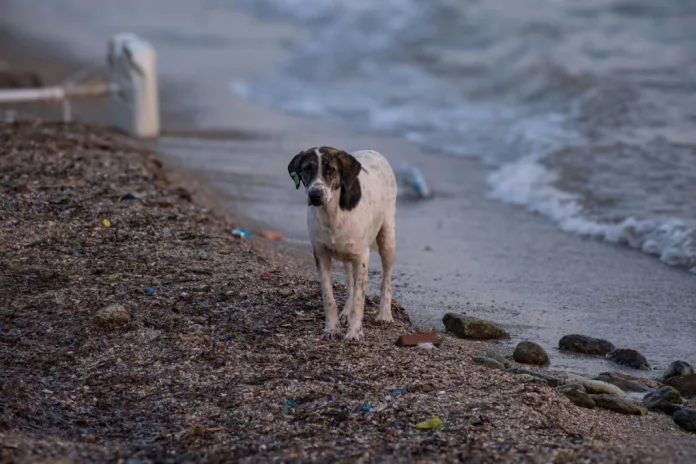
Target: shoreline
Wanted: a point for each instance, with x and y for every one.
(161, 314)
(459, 252)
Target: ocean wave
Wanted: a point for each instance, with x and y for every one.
(584, 111)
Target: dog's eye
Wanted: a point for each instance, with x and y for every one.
(330, 170)
(307, 169)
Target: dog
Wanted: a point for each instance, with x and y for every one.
(351, 209)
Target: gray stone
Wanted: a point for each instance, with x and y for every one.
(472, 328)
(488, 362)
(572, 386)
(585, 345)
(686, 419)
(501, 359)
(112, 315)
(553, 381)
(630, 358)
(530, 353)
(662, 395)
(623, 383)
(667, 408)
(598, 387)
(684, 384)
(678, 368)
(579, 398)
(616, 404)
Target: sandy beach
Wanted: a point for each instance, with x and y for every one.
(135, 328)
(460, 251)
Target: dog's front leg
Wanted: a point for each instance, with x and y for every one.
(348, 308)
(360, 281)
(332, 328)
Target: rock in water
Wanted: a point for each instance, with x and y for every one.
(623, 383)
(112, 315)
(472, 328)
(488, 362)
(678, 368)
(585, 345)
(620, 405)
(530, 353)
(599, 387)
(684, 384)
(630, 358)
(579, 398)
(662, 395)
(686, 419)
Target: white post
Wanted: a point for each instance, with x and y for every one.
(133, 65)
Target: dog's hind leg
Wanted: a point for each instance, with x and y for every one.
(386, 243)
(360, 265)
(332, 328)
(345, 314)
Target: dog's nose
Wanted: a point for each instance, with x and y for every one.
(314, 197)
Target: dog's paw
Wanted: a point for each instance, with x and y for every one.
(354, 334)
(385, 317)
(332, 333)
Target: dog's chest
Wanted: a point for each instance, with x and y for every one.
(343, 238)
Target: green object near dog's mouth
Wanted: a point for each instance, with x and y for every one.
(296, 178)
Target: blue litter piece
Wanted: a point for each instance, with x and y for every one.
(291, 403)
(241, 233)
(410, 178)
(399, 392)
(368, 408)
(398, 426)
(150, 290)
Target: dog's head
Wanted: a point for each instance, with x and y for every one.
(324, 171)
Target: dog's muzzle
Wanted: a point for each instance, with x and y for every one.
(314, 197)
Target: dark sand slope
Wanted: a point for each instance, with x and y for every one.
(488, 259)
(219, 357)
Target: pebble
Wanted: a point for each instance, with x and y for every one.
(501, 359)
(630, 358)
(686, 419)
(114, 314)
(678, 368)
(572, 386)
(619, 405)
(530, 353)
(488, 362)
(623, 383)
(579, 398)
(472, 328)
(599, 387)
(585, 345)
(662, 395)
(202, 255)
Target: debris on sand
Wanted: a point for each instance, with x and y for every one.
(203, 370)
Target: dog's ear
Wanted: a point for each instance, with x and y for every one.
(351, 169)
(294, 167)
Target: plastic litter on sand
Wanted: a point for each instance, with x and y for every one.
(241, 233)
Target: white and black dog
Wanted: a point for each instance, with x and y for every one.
(351, 209)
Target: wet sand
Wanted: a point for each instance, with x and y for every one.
(458, 252)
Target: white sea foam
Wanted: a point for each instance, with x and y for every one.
(528, 183)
